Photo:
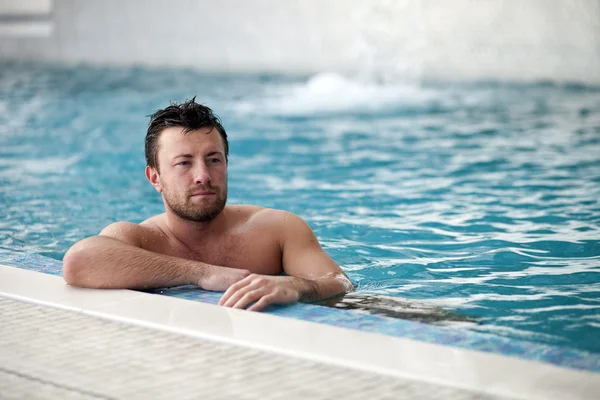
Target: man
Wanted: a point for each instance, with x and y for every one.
(239, 249)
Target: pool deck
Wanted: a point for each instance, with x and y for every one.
(58, 341)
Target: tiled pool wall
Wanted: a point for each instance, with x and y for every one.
(450, 336)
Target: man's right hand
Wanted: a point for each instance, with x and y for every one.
(218, 279)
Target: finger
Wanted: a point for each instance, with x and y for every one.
(262, 303)
(233, 293)
(233, 290)
(239, 295)
(249, 298)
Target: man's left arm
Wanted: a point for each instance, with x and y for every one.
(311, 274)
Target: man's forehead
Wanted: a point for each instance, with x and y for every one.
(174, 137)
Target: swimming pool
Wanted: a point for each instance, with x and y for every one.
(480, 198)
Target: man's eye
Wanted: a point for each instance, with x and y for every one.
(214, 160)
(183, 163)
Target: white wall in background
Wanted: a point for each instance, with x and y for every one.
(25, 6)
(376, 39)
(25, 18)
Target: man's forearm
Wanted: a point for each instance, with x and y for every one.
(324, 287)
(103, 262)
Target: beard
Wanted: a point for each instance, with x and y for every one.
(184, 209)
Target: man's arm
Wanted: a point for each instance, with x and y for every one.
(115, 259)
(304, 258)
(312, 274)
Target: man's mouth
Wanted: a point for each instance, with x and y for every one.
(205, 193)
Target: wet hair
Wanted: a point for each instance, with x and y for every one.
(190, 116)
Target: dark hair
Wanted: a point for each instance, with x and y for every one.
(188, 115)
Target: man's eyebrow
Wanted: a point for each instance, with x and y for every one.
(213, 153)
(184, 156)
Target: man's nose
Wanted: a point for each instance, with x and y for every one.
(202, 174)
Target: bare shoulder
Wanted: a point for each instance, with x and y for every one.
(134, 234)
(284, 222)
(124, 231)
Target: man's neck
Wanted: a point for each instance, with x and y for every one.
(192, 233)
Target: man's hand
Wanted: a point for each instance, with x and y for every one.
(264, 290)
(219, 279)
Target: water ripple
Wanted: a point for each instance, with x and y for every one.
(482, 198)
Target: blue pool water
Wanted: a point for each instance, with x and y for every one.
(480, 198)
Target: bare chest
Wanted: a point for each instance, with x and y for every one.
(261, 255)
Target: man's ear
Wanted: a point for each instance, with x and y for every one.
(153, 178)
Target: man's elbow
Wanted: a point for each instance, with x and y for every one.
(329, 285)
(343, 284)
(346, 283)
(74, 263)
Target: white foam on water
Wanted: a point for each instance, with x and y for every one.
(331, 93)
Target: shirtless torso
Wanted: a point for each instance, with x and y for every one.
(250, 240)
(241, 250)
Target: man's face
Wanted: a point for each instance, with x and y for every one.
(193, 173)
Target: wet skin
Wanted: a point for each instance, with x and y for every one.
(239, 249)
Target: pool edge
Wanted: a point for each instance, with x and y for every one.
(435, 363)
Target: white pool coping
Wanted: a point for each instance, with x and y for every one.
(407, 358)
